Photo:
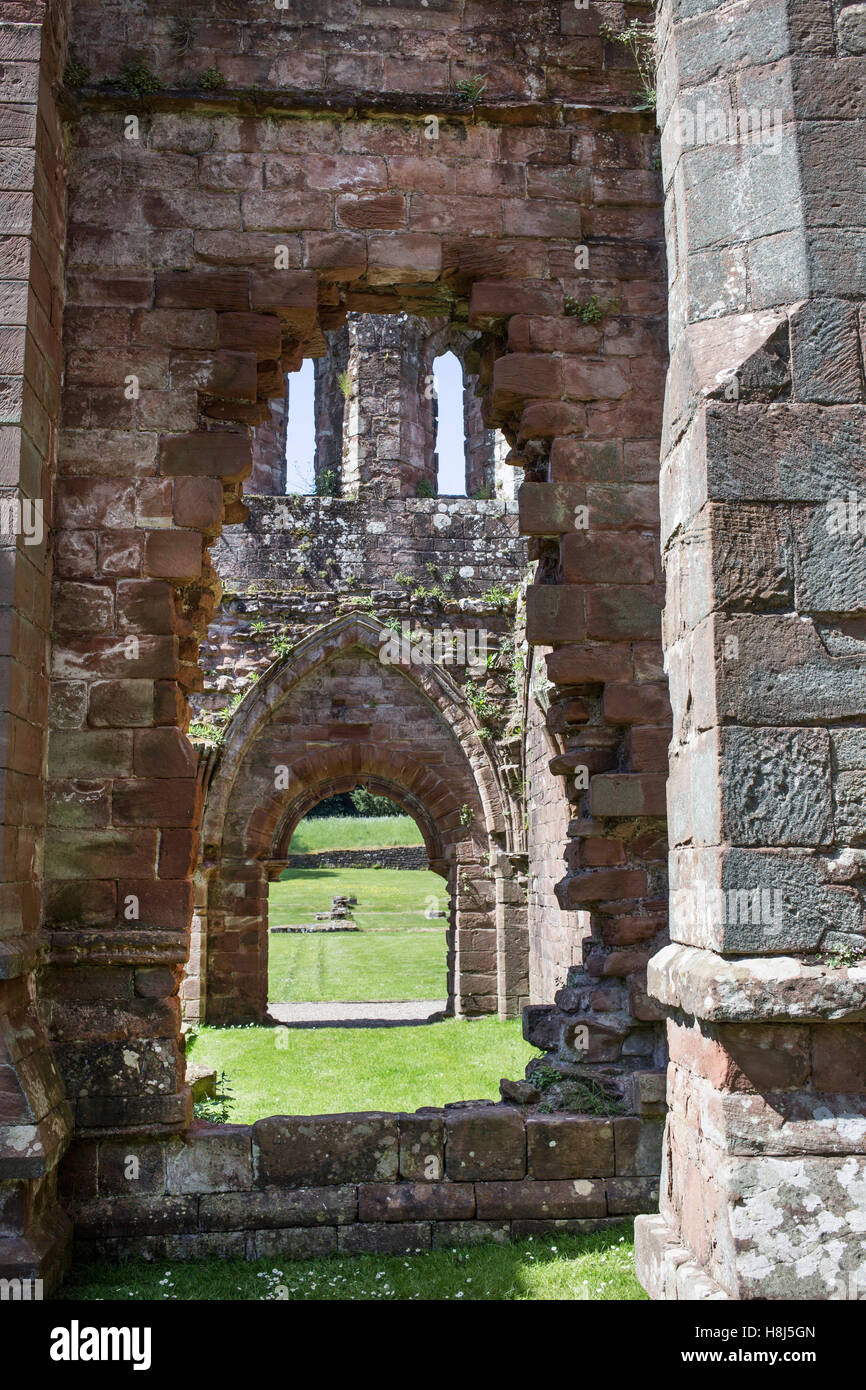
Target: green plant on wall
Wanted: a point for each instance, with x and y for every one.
(591, 310)
(502, 597)
(75, 74)
(639, 39)
(842, 956)
(327, 483)
(471, 88)
(211, 79)
(136, 76)
(488, 712)
(217, 1109)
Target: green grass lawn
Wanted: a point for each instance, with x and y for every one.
(399, 954)
(315, 1071)
(598, 1267)
(354, 832)
(386, 897)
(396, 965)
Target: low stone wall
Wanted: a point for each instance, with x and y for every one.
(299, 1186)
(399, 857)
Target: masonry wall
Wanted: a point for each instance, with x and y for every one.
(35, 1118)
(393, 1184)
(555, 933)
(423, 566)
(268, 474)
(319, 141)
(434, 565)
(764, 445)
(397, 857)
(322, 544)
(172, 280)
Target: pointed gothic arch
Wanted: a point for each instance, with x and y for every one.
(291, 743)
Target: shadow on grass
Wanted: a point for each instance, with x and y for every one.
(591, 1267)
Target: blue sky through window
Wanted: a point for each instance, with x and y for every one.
(301, 434)
(450, 438)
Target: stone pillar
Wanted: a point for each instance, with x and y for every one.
(390, 433)
(268, 478)
(332, 390)
(480, 444)
(475, 936)
(512, 948)
(237, 954)
(35, 1118)
(594, 612)
(764, 460)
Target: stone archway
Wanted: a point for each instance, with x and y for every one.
(245, 230)
(294, 741)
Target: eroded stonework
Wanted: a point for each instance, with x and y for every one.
(175, 244)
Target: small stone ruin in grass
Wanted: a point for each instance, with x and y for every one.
(338, 918)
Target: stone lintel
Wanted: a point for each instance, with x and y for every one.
(755, 989)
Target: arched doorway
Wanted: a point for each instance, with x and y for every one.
(360, 927)
(332, 717)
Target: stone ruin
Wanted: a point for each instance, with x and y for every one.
(340, 915)
(338, 918)
(662, 340)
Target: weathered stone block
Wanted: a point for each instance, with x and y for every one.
(451, 1234)
(850, 795)
(550, 509)
(538, 1200)
(839, 1057)
(554, 613)
(638, 1144)
(825, 352)
(131, 1216)
(852, 28)
(771, 782)
(798, 1197)
(628, 794)
(307, 1243)
(399, 1238)
(749, 900)
(627, 1196)
(569, 1146)
(315, 1150)
(275, 1207)
(214, 1158)
(131, 1169)
(748, 990)
(485, 1143)
(422, 1146)
(415, 1201)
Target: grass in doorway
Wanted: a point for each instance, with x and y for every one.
(299, 1071)
(354, 832)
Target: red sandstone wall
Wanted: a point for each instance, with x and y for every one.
(322, 1184)
(34, 1116)
(555, 933)
(532, 50)
(171, 280)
